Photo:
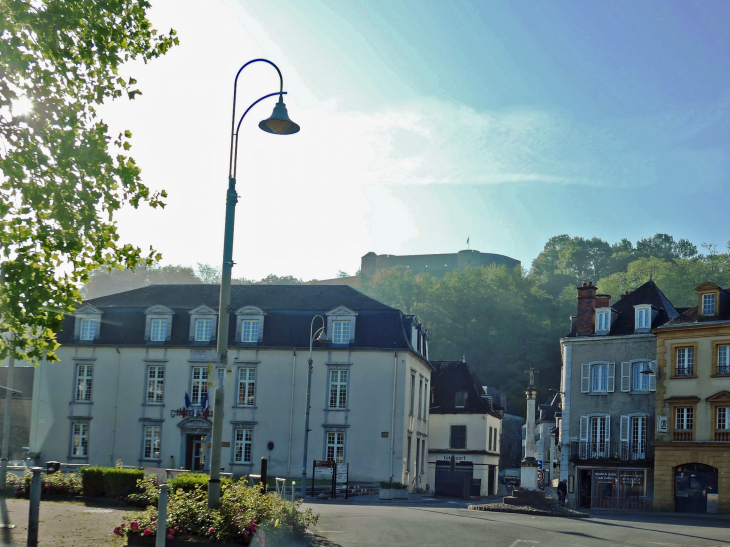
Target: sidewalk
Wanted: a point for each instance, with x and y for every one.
(648, 515)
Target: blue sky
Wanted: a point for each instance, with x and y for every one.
(427, 122)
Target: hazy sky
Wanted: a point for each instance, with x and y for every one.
(427, 122)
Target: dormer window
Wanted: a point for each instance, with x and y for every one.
(203, 329)
(708, 304)
(341, 323)
(202, 325)
(158, 330)
(603, 320)
(87, 329)
(158, 325)
(250, 325)
(642, 317)
(460, 401)
(88, 323)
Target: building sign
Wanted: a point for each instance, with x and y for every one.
(662, 424)
(605, 476)
(458, 458)
(190, 412)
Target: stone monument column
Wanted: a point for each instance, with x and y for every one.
(528, 472)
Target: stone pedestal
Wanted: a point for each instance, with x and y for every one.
(532, 498)
(528, 474)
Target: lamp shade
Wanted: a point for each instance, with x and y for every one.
(279, 122)
(322, 337)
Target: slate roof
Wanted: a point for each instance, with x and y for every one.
(689, 316)
(450, 377)
(546, 411)
(648, 293)
(289, 310)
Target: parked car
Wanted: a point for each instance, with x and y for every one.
(510, 476)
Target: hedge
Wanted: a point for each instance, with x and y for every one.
(187, 482)
(109, 482)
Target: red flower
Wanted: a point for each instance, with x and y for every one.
(117, 531)
(134, 526)
(212, 530)
(170, 536)
(147, 532)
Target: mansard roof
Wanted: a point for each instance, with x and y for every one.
(289, 310)
(451, 377)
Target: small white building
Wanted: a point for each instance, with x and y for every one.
(129, 361)
(465, 426)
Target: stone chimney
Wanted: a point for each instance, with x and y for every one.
(585, 322)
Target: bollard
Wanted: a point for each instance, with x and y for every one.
(264, 466)
(292, 491)
(162, 517)
(35, 505)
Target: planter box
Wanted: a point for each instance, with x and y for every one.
(400, 494)
(386, 493)
(186, 541)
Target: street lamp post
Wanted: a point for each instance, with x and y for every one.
(321, 338)
(279, 124)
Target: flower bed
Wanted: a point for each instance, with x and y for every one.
(54, 484)
(244, 515)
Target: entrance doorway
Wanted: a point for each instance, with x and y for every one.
(195, 452)
(491, 480)
(692, 484)
(584, 488)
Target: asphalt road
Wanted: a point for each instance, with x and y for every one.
(441, 523)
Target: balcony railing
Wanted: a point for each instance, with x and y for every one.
(612, 451)
(723, 436)
(682, 436)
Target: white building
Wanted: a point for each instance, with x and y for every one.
(128, 360)
(463, 425)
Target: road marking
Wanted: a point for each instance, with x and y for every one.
(452, 502)
(331, 531)
(533, 541)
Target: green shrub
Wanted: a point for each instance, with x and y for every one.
(244, 512)
(55, 484)
(394, 485)
(109, 482)
(187, 482)
(385, 485)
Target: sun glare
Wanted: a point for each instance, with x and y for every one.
(22, 106)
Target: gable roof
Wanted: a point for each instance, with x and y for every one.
(450, 377)
(691, 316)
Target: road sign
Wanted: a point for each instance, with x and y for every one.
(540, 476)
(539, 464)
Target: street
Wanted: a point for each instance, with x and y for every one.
(441, 522)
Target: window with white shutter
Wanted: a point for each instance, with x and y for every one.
(625, 377)
(585, 378)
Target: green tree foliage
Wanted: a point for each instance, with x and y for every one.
(61, 178)
(103, 282)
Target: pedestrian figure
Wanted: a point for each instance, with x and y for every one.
(562, 491)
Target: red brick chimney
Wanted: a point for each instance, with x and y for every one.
(585, 322)
(603, 300)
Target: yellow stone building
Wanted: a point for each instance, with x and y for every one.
(692, 448)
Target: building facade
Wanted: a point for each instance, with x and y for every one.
(609, 383)
(692, 467)
(137, 369)
(463, 426)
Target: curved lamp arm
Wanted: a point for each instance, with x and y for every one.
(234, 134)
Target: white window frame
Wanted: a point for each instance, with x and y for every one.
(641, 378)
(642, 317)
(155, 384)
(707, 299)
(246, 386)
(420, 397)
(603, 320)
(723, 359)
(243, 445)
(335, 446)
(683, 416)
(203, 333)
(158, 329)
(250, 335)
(87, 329)
(687, 361)
(595, 435)
(152, 442)
(724, 424)
(426, 398)
(84, 382)
(337, 390)
(413, 392)
(201, 383)
(80, 439)
(341, 332)
(457, 396)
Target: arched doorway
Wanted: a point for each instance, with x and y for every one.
(195, 435)
(692, 483)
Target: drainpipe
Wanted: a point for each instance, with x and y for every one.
(291, 412)
(114, 416)
(392, 429)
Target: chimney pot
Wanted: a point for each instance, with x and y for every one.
(590, 283)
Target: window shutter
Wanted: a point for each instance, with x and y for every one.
(584, 428)
(585, 378)
(625, 377)
(608, 428)
(624, 428)
(611, 377)
(652, 377)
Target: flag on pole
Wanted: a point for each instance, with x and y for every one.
(187, 404)
(467, 241)
(205, 405)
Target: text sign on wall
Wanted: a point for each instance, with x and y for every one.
(662, 424)
(605, 476)
(632, 478)
(447, 457)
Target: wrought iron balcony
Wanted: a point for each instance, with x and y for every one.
(611, 451)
